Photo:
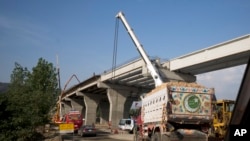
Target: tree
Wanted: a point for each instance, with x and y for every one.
(17, 99)
(30, 98)
(43, 81)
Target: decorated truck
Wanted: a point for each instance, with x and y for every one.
(176, 111)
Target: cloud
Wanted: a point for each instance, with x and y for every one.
(226, 82)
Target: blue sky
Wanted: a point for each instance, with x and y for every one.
(81, 33)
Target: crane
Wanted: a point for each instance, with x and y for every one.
(152, 69)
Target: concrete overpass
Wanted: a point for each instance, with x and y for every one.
(113, 92)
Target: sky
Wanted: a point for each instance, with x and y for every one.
(82, 34)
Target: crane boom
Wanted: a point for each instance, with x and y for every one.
(153, 71)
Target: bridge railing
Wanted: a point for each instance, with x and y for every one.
(130, 61)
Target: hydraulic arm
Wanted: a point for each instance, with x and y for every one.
(152, 69)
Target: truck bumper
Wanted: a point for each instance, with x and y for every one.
(184, 135)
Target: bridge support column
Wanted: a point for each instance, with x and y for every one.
(117, 100)
(78, 104)
(91, 101)
(82, 103)
(104, 109)
(66, 107)
(120, 100)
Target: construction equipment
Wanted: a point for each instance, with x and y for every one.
(222, 116)
(57, 118)
(74, 117)
(172, 111)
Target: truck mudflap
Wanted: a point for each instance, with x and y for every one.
(184, 135)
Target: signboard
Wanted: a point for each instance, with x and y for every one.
(66, 128)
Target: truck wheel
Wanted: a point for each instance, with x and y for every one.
(156, 137)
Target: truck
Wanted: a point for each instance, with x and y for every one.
(74, 117)
(172, 111)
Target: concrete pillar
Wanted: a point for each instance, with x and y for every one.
(119, 104)
(66, 107)
(117, 99)
(90, 101)
(104, 109)
(82, 103)
(78, 104)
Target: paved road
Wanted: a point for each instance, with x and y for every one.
(102, 135)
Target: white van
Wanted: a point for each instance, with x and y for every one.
(127, 125)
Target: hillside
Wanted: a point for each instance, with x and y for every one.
(3, 87)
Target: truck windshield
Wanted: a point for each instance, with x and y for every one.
(125, 121)
(230, 107)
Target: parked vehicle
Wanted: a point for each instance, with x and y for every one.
(87, 130)
(127, 125)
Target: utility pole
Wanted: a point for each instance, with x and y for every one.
(58, 72)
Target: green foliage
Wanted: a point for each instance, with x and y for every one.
(27, 103)
(134, 112)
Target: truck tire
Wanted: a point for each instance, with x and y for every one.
(156, 137)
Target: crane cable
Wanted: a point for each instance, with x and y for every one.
(115, 48)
